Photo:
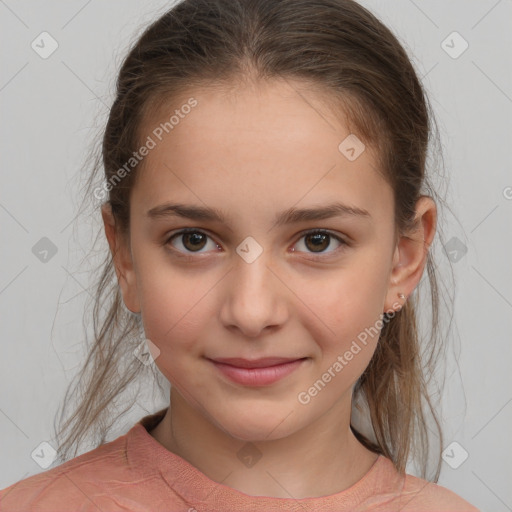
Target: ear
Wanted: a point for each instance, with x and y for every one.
(411, 253)
(122, 257)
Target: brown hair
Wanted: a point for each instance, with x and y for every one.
(344, 52)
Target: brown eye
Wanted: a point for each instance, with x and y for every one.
(189, 241)
(318, 241)
(193, 241)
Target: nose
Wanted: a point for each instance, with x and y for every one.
(254, 298)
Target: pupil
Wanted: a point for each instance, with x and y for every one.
(195, 239)
(319, 238)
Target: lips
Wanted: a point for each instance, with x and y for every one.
(257, 372)
(264, 362)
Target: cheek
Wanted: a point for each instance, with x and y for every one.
(172, 321)
(346, 300)
(345, 321)
(172, 306)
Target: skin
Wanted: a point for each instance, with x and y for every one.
(252, 154)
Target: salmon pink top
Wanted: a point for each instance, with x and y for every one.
(136, 473)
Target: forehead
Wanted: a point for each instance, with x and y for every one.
(266, 146)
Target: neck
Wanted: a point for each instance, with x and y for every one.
(322, 459)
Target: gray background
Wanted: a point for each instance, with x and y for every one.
(53, 109)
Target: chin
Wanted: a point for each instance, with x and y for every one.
(254, 426)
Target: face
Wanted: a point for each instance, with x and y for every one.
(247, 286)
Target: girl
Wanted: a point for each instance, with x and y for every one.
(269, 218)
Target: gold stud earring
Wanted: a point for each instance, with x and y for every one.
(401, 296)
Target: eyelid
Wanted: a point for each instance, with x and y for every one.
(324, 255)
(324, 231)
(183, 231)
(301, 234)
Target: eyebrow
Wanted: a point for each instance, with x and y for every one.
(289, 216)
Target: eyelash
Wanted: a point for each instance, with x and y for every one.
(320, 256)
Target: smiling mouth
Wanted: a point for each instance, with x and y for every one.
(259, 372)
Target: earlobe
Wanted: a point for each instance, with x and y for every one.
(122, 260)
(410, 256)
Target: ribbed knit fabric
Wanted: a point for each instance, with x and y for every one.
(136, 473)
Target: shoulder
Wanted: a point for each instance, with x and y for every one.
(71, 484)
(419, 494)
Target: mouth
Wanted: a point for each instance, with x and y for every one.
(257, 372)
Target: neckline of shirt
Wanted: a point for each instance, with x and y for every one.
(381, 482)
